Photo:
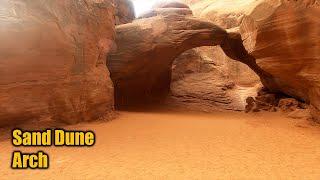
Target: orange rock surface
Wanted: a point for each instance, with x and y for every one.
(52, 60)
(284, 38)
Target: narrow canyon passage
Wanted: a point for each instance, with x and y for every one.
(159, 89)
(180, 145)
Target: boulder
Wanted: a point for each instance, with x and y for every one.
(53, 60)
(260, 103)
(288, 104)
(268, 101)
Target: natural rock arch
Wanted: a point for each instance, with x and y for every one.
(146, 48)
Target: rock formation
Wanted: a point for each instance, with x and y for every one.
(170, 4)
(165, 8)
(217, 70)
(272, 102)
(141, 66)
(281, 35)
(52, 60)
(146, 48)
(284, 38)
(53, 55)
(124, 11)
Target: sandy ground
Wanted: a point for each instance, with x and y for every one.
(166, 145)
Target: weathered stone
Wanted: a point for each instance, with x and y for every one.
(300, 114)
(215, 64)
(284, 38)
(165, 12)
(53, 60)
(124, 12)
(281, 35)
(315, 113)
(250, 104)
(288, 104)
(170, 4)
(141, 66)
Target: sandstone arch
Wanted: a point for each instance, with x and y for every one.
(141, 66)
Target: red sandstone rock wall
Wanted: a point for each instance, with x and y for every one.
(284, 38)
(52, 60)
(282, 35)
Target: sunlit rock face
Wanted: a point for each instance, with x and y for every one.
(284, 38)
(165, 8)
(227, 14)
(281, 35)
(124, 11)
(144, 6)
(52, 60)
(205, 76)
(170, 4)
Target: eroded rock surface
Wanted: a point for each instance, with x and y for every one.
(284, 38)
(281, 35)
(170, 4)
(141, 66)
(220, 69)
(52, 60)
(165, 8)
(124, 12)
(272, 102)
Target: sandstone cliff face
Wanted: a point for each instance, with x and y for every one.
(52, 60)
(284, 38)
(281, 35)
(124, 11)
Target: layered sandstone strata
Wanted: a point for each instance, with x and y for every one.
(284, 38)
(281, 35)
(53, 60)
